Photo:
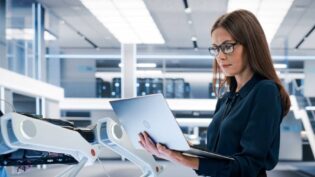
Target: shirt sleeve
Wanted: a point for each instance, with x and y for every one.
(256, 140)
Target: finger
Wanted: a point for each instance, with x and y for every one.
(145, 147)
(148, 140)
(141, 137)
(142, 140)
(146, 144)
(148, 149)
(151, 146)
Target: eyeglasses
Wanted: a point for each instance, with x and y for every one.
(226, 48)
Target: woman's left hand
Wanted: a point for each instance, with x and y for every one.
(162, 151)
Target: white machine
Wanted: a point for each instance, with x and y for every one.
(22, 132)
(112, 135)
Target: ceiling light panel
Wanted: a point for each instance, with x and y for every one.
(26, 34)
(270, 13)
(128, 20)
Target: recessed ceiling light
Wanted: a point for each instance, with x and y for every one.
(128, 21)
(270, 13)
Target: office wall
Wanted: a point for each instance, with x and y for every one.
(309, 70)
(7, 102)
(52, 23)
(98, 114)
(78, 77)
(52, 109)
(3, 62)
(53, 71)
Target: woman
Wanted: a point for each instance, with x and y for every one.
(246, 121)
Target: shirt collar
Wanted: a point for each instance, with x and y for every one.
(249, 85)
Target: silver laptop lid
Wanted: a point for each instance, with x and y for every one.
(150, 113)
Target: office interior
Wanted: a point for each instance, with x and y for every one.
(65, 60)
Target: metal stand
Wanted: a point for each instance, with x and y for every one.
(111, 135)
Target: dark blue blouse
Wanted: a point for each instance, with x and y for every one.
(246, 126)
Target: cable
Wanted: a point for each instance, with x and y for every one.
(106, 173)
(8, 103)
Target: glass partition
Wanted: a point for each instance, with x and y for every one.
(19, 36)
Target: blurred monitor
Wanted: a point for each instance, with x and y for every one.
(116, 88)
(169, 88)
(179, 88)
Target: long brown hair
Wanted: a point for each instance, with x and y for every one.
(244, 27)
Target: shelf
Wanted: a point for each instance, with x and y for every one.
(28, 86)
(194, 122)
(103, 104)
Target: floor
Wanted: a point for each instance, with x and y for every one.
(117, 168)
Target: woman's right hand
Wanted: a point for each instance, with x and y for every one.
(162, 151)
(148, 144)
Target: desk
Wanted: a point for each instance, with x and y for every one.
(194, 122)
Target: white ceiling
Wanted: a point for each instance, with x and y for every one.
(299, 20)
(171, 20)
(169, 16)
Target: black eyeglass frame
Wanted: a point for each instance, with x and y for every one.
(221, 48)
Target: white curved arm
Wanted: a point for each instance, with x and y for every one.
(111, 135)
(22, 132)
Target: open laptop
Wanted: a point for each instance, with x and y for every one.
(152, 114)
